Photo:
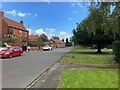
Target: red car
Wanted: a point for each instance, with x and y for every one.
(10, 52)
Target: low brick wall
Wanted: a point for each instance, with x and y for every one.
(34, 48)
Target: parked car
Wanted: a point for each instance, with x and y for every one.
(1, 48)
(10, 52)
(47, 48)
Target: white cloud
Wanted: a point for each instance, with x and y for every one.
(20, 14)
(69, 19)
(12, 12)
(78, 4)
(30, 31)
(73, 4)
(62, 33)
(29, 14)
(75, 11)
(51, 30)
(35, 15)
(40, 31)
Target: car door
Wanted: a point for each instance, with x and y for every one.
(15, 51)
(19, 51)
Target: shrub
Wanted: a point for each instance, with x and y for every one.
(3, 45)
(116, 51)
(6, 40)
(68, 44)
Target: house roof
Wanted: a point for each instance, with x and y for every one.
(47, 43)
(14, 24)
(58, 41)
(33, 36)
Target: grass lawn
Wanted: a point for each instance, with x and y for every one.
(89, 79)
(87, 56)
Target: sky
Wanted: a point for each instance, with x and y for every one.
(50, 18)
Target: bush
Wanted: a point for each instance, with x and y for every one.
(68, 44)
(3, 45)
(116, 51)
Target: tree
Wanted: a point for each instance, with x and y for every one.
(63, 40)
(55, 37)
(43, 38)
(68, 43)
(40, 41)
(100, 27)
(8, 40)
(67, 40)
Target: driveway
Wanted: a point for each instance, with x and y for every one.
(19, 72)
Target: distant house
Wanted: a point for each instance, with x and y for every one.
(57, 43)
(33, 40)
(47, 43)
(33, 37)
(13, 32)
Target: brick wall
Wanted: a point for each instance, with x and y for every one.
(17, 34)
(0, 31)
(1, 15)
(4, 29)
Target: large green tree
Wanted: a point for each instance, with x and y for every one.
(43, 38)
(55, 37)
(100, 27)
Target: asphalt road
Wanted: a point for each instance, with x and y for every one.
(19, 72)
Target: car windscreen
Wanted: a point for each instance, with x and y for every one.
(6, 49)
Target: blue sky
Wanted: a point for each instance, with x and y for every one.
(53, 18)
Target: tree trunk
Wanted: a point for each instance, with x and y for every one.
(99, 48)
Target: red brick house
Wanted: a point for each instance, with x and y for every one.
(33, 37)
(13, 30)
(33, 40)
(0, 29)
(55, 43)
(47, 43)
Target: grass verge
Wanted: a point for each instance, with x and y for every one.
(87, 56)
(89, 79)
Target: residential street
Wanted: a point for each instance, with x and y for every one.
(19, 72)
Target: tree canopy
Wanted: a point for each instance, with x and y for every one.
(100, 27)
(55, 37)
(43, 38)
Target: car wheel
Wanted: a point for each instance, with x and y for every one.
(10, 56)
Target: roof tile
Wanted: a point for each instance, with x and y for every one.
(14, 24)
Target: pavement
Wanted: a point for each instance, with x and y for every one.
(19, 72)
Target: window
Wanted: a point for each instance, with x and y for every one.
(25, 34)
(20, 39)
(13, 31)
(20, 33)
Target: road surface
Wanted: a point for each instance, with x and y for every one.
(19, 72)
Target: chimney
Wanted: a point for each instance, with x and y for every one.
(21, 22)
(1, 13)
